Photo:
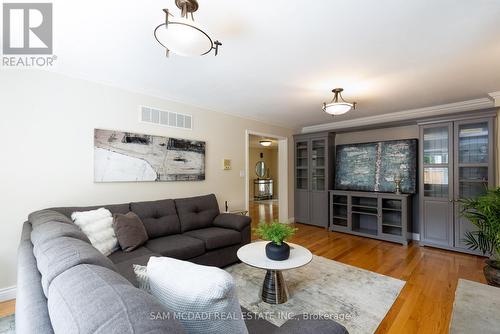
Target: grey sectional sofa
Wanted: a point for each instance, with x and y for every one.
(65, 285)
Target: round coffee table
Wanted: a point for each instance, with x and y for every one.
(274, 289)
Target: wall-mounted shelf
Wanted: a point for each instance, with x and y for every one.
(381, 216)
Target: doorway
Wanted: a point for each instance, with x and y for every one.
(266, 177)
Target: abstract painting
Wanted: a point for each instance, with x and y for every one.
(374, 166)
(126, 156)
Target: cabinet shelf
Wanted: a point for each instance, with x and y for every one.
(365, 213)
(392, 209)
(380, 216)
(392, 225)
(364, 206)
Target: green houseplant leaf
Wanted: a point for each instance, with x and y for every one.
(484, 213)
(275, 231)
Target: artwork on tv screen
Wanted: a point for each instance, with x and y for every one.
(126, 156)
(375, 166)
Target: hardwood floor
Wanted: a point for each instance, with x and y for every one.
(431, 275)
(7, 308)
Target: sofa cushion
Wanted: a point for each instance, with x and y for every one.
(43, 216)
(197, 212)
(113, 208)
(92, 299)
(177, 246)
(126, 268)
(32, 315)
(98, 226)
(120, 256)
(187, 288)
(56, 256)
(129, 231)
(159, 217)
(216, 237)
(55, 229)
(232, 221)
(304, 324)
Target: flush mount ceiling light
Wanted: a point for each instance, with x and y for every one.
(265, 142)
(183, 36)
(338, 105)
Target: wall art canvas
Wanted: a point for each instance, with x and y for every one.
(374, 166)
(126, 156)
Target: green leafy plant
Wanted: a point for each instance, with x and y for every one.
(484, 213)
(275, 231)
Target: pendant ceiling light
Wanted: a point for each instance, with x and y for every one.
(265, 142)
(338, 105)
(182, 35)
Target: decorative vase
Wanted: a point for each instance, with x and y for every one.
(492, 272)
(277, 252)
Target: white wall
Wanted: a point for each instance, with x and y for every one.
(46, 128)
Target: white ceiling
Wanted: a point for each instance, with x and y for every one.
(280, 59)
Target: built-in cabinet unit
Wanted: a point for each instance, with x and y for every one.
(456, 161)
(314, 164)
(381, 216)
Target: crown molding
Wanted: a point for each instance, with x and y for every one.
(495, 97)
(405, 116)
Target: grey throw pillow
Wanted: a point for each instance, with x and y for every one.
(130, 231)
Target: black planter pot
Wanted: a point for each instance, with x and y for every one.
(492, 272)
(276, 252)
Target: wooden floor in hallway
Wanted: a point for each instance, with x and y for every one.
(431, 275)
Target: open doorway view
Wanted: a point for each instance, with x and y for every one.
(263, 179)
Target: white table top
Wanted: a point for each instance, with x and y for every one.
(254, 254)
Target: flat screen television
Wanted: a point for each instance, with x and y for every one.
(374, 166)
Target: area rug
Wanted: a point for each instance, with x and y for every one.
(7, 325)
(475, 309)
(358, 299)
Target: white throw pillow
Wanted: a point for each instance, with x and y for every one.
(202, 298)
(98, 227)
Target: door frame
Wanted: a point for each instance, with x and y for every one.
(282, 172)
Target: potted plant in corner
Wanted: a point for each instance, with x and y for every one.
(484, 213)
(277, 249)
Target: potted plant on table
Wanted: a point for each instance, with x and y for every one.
(484, 213)
(277, 233)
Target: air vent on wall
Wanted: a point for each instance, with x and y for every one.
(165, 118)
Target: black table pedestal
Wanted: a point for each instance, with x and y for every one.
(274, 290)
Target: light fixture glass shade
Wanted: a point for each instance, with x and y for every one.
(183, 37)
(337, 108)
(265, 142)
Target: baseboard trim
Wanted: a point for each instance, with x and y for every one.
(291, 220)
(8, 293)
(414, 236)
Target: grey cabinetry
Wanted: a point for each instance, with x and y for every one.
(313, 177)
(436, 155)
(456, 160)
(381, 216)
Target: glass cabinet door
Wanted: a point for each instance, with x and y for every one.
(436, 147)
(302, 165)
(473, 158)
(318, 164)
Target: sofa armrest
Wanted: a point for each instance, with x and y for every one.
(302, 324)
(232, 221)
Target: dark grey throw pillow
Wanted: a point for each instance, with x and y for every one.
(129, 230)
